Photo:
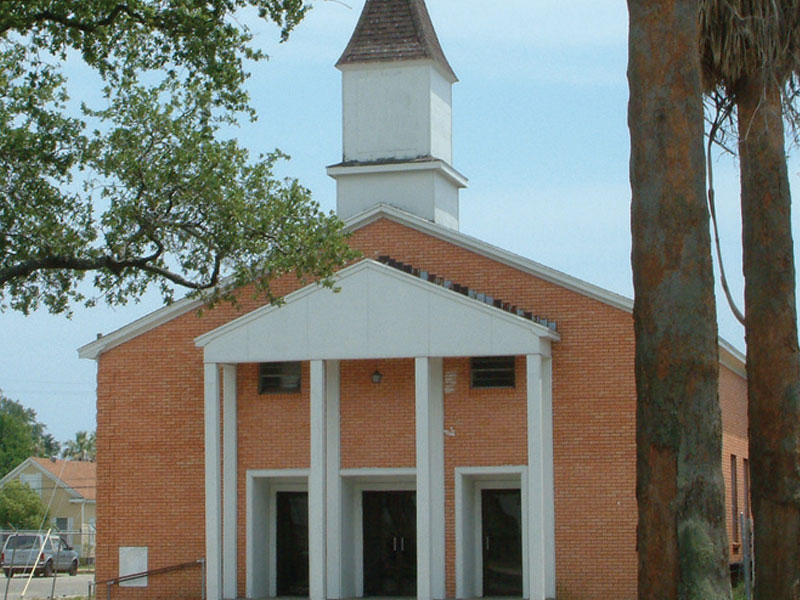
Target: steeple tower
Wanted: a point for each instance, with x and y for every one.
(397, 116)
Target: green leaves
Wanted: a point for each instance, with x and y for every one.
(156, 195)
(20, 507)
(21, 435)
(83, 447)
(122, 37)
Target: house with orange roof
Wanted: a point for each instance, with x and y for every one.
(68, 489)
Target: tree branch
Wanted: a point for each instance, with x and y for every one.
(85, 27)
(54, 263)
(723, 112)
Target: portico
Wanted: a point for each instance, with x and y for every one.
(378, 313)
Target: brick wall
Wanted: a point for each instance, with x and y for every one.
(733, 395)
(150, 427)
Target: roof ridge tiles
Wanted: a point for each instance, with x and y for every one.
(467, 291)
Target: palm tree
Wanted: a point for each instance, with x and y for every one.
(750, 52)
(81, 448)
(681, 536)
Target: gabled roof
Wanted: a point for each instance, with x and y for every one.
(729, 355)
(78, 478)
(393, 30)
(379, 312)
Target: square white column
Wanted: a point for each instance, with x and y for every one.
(213, 482)
(536, 525)
(541, 512)
(548, 479)
(317, 480)
(333, 483)
(229, 483)
(430, 478)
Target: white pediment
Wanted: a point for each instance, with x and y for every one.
(378, 312)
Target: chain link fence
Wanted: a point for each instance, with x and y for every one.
(82, 540)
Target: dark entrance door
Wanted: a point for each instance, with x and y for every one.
(291, 544)
(501, 512)
(390, 543)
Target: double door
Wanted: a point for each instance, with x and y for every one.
(390, 543)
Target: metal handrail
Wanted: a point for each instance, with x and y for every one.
(109, 583)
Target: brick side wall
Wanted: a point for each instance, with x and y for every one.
(150, 428)
(150, 465)
(733, 395)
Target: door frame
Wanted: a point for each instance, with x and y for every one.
(470, 481)
(370, 480)
(480, 487)
(273, 528)
(262, 488)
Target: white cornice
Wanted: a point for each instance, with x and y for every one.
(158, 317)
(344, 170)
(408, 63)
(379, 312)
(731, 357)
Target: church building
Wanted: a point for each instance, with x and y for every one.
(456, 422)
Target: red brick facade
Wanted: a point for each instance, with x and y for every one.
(150, 428)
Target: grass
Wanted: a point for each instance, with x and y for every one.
(738, 592)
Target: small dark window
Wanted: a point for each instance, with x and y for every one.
(746, 474)
(734, 499)
(279, 377)
(492, 372)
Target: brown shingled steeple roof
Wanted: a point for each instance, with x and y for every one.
(392, 30)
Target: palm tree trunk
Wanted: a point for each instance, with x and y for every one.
(682, 541)
(773, 361)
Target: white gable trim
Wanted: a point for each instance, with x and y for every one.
(475, 245)
(379, 312)
(136, 328)
(729, 355)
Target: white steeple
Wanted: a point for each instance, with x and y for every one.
(397, 116)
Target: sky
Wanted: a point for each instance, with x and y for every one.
(540, 131)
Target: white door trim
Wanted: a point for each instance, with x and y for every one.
(469, 481)
(262, 486)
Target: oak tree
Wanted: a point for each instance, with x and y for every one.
(21, 435)
(149, 187)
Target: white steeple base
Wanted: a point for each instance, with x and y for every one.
(427, 188)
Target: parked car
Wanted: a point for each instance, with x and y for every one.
(21, 550)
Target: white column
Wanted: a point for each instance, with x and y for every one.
(333, 481)
(316, 485)
(548, 477)
(213, 483)
(536, 500)
(430, 478)
(229, 482)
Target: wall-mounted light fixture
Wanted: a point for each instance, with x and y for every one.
(377, 376)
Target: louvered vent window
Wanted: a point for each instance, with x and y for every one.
(492, 372)
(279, 377)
